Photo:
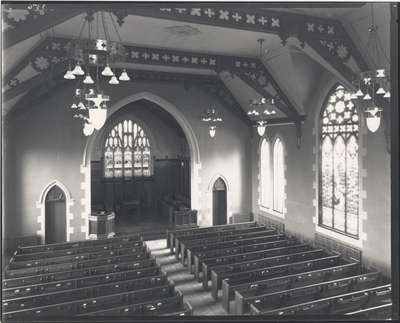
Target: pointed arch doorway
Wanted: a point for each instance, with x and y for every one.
(55, 216)
(219, 202)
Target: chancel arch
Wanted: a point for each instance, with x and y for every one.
(143, 176)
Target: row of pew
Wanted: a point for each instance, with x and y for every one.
(256, 270)
(109, 278)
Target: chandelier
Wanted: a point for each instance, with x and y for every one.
(255, 105)
(261, 103)
(211, 117)
(374, 84)
(88, 56)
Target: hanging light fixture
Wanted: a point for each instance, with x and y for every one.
(212, 117)
(88, 79)
(107, 71)
(124, 76)
(69, 75)
(78, 70)
(90, 54)
(261, 127)
(375, 83)
(373, 118)
(88, 128)
(261, 107)
(212, 130)
(113, 80)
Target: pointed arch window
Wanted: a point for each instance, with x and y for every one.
(279, 176)
(339, 166)
(127, 151)
(265, 176)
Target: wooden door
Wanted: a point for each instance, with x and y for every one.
(55, 216)
(219, 202)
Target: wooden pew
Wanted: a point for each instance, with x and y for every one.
(380, 312)
(283, 298)
(185, 311)
(210, 263)
(199, 257)
(79, 257)
(215, 228)
(177, 228)
(280, 271)
(235, 235)
(230, 244)
(218, 273)
(148, 274)
(247, 290)
(157, 306)
(181, 242)
(232, 237)
(92, 305)
(137, 257)
(339, 304)
(75, 244)
(77, 251)
(80, 273)
(51, 298)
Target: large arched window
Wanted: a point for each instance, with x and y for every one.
(127, 151)
(265, 177)
(279, 176)
(338, 167)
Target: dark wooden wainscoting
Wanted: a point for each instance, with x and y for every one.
(135, 197)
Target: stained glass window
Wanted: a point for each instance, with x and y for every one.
(279, 176)
(127, 151)
(265, 174)
(339, 180)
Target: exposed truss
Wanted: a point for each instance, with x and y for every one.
(53, 52)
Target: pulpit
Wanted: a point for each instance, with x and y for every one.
(101, 225)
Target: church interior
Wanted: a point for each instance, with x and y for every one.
(199, 159)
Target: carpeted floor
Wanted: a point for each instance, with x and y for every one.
(193, 292)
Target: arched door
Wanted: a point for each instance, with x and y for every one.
(219, 202)
(55, 216)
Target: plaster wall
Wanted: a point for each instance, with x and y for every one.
(48, 145)
(301, 182)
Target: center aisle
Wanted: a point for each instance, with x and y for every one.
(200, 300)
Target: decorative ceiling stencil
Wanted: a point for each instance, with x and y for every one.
(184, 30)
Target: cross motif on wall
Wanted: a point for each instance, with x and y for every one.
(210, 13)
(262, 20)
(237, 17)
(224, 14)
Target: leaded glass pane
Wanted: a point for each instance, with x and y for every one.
(339, 184)
(327, 182)
(108, 162)
(265, 174)
(121, 158)
(278, 176)
(352, 185)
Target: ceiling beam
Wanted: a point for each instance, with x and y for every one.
(318, 33)
(26, 20)
(251, 70)
(220, 90)
(259, 83)
(25, 61)
(234, 17)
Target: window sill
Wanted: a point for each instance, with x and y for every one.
(270, 211)
(341, 237)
